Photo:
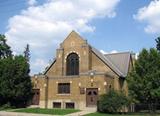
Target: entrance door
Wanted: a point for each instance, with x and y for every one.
(91, 97)
(36, 95)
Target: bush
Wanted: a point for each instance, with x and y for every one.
(6, 106)
(112, 102)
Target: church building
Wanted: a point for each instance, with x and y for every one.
(79, 74)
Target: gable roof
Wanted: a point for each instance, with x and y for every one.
(118, 62)
(73, 34)
(47, 68)
(121, 61)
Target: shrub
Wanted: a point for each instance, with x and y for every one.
(112, 102)
(6, 106)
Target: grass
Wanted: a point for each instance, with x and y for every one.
(103, 114)
(46, 111)
(5, 109)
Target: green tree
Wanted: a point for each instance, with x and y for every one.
(4, 48)
(6, 72)
(15, 82)
(158, 43)
(27, 53)
(144, 79)
(112, 102)
(15, 86)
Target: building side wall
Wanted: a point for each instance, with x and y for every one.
(39, 83)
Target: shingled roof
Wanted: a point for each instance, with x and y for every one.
(118, 62)
(121, 61)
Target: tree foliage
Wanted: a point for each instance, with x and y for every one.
(4, 48)
(144, 79)
(158, 43)
(15, 82)
(27, 53)
(112, 102)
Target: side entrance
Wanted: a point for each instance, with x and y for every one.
(36, 96)
(91, 97)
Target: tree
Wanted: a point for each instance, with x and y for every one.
(158, 43)
(4, 48)
(27, 53)
(112, 102)
(15, 82)
(15, 86)
(22, 85)
(144, 79)
(6, 72)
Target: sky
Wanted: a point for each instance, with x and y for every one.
(108, 25)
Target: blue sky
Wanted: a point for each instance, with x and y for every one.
(117, 25)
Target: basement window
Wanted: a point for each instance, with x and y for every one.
(56, 104)
(70, 105)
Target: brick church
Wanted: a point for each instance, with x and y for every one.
(79, 74)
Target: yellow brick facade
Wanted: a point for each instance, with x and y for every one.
(103, 79)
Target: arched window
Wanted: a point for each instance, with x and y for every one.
(72, 67)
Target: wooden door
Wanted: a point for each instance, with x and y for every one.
(36, 96)
(91, 97)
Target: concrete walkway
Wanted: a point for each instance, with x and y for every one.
(7, 113)
(81, 113)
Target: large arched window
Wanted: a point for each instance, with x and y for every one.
(72, 66)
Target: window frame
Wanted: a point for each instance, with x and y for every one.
(64, 88)
(70, 105)
(57, 104)
(72, 64)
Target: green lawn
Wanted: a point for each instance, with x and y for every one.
(101, 114)
(46, 111)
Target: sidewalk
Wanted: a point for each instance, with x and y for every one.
(83, 112)
(7, 113)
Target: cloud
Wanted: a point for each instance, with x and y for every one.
(136, 55)
(32, 2)
(39, 63)
(111, 52)
(151, 16)
(44, 26)
(103, 52)
(114, 51)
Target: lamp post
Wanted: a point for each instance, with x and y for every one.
(92, 73)
(36, 82)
